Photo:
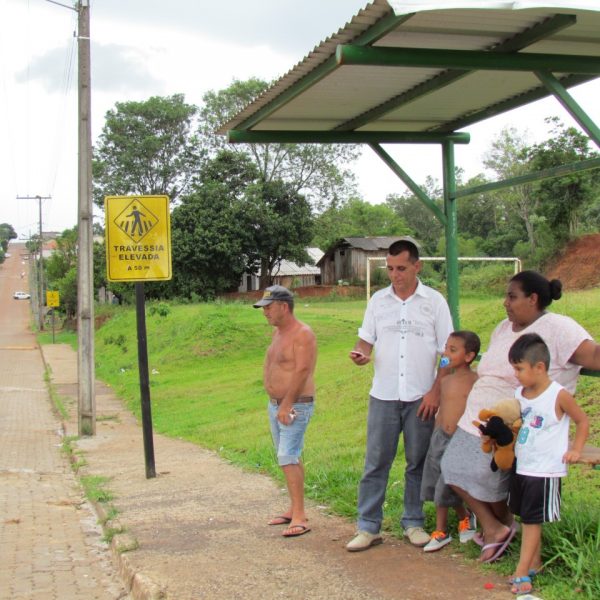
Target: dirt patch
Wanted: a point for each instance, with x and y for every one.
(578, 266)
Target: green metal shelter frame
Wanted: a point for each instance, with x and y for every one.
(442, 68)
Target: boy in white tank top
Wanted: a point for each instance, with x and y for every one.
(542, 450)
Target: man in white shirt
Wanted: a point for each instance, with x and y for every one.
(407, 324)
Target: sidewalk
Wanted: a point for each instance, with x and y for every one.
(198, 529)
(50, 543)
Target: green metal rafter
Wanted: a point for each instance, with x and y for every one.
(344, 137)
(509, 104)
(518, 42)
(560, 171)
(570, 104)
(410, 184)
(347, 54)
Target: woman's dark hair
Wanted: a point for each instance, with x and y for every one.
(529, 348)
(532, 282)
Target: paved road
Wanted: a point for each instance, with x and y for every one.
(49, 541)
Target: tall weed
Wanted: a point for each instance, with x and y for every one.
(571, 551)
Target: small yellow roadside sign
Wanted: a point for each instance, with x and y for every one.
(52, 298)
(138, 238)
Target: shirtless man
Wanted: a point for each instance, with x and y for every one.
(289, 382)
(461, 350)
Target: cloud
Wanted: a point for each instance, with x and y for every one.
(115, 67)
(289, 23)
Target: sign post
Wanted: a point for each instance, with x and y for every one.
(53, 300)
(138, 249)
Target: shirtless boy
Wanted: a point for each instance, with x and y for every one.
(289, 382)
(461, 350)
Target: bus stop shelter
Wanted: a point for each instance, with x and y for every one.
(420, 72)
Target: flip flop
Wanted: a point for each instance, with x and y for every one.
(303, 529)
(280, 520)
(478, 539)
(502, 546)
(531, 574)
(521, 586)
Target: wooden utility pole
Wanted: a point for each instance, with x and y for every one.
(40, 269)
(85, 287)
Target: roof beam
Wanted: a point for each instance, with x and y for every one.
(378, 30)
(552, 172)
(465, 59)
(570, 105)
(237, 136)
(515, 102)
(519, 41)
(408, 182)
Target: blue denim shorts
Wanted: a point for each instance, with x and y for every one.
(289, 439)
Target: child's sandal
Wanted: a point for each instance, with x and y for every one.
(521, 585)
(532, 573)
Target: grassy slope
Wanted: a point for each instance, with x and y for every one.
(207, 388)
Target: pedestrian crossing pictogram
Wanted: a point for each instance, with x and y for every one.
(138, 238)
(136, 220)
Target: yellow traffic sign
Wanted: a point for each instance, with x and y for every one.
(52, 298)
(138, 238)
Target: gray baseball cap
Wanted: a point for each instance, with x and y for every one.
(273, 294)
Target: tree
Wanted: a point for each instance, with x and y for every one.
(508, 157)
(357, 218)
(7, 233)
(423, 224)
(320, 171)
(146, 147)
(211, 237)
(233, 222)
(281, 223)
(563, 200)
(63, 258)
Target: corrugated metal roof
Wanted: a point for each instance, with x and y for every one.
(345, 96)
(287, 267)
(368, 244)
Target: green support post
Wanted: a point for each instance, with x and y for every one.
(451, 229)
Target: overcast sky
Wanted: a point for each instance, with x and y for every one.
(142, 48)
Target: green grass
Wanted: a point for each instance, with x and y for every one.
(95, 490)
(206, 387)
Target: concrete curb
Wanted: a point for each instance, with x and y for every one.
(138, 585)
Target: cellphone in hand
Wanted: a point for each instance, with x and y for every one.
(292, 415)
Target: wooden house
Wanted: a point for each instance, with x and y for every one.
(346, 260)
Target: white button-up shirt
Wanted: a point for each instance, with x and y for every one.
(407, 336)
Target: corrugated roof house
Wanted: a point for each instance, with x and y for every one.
(288, 274)
(346, 260)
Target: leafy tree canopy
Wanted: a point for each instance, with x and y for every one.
(233, 222)
(320, 171)
(146, 147)
(7, 232)
(563, 201)
(357, 218)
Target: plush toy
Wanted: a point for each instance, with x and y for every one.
(500, 425)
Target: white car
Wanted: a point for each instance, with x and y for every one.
(21, 296)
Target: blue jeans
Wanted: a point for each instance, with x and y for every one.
(387, 420)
